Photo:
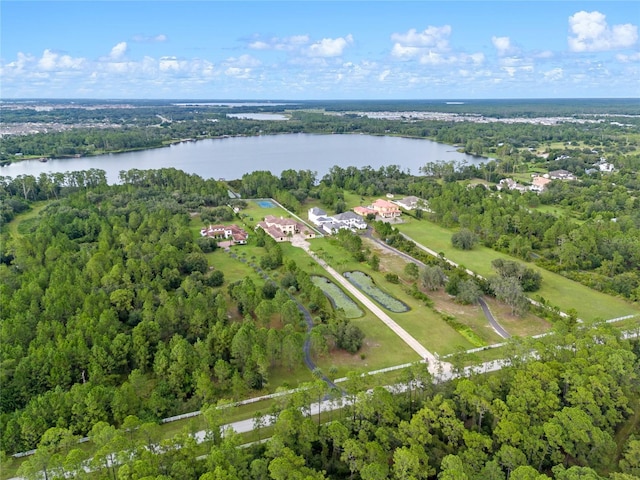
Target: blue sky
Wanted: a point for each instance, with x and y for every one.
(319, 50)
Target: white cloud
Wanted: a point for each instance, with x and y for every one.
(48, 60)
(553, 74)
(169, 63)
(283, 44)
(544, 54)
(383, 76)
(430, 47)
(21, 63)
(118, 51)
(435, 58)
(259, 45)
(243, 61)
(503, 45)
(634, 57)
(511, 61)
(51, 61)
(476, 58)
(150, 38)
(237, 72)
(401, 51)
(434, 37)
(591, 33)
(330, 47)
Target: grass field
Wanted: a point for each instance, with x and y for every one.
(421, 322)
(556, 289)
(382, 348)
(14, 225)
(470, 315)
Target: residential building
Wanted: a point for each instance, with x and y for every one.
(364, 211)
(539, 183)
(385, 209)
(331, 224)
(237, 235)
(605, 166)
(283, 229)
(562, 175)
(510, 184)
(315, 214)
(409, 203)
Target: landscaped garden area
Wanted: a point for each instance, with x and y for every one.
(337, 297)
(365, 283)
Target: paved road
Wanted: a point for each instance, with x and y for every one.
(306, 348)
(492, 321)
(434, 364)
(369, 234)
(485, 308)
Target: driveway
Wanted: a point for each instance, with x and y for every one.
(436, 367)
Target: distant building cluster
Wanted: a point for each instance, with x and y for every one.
(540, 182)
(232, 233)
(283, 229)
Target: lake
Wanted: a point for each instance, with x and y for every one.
(230, 158)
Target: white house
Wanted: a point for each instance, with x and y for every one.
(409, 203)
(351, 219)
(539, 183)
(561, 175)
(510, 184)
(232, 232)
(317, 215)
(346, 220)
(605, 167)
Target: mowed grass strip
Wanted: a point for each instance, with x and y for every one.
(556, 289)
(28, 216)
(420, 321)
(382, 348)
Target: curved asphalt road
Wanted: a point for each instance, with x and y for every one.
(306, 349)
(492, 321)
(485, 308)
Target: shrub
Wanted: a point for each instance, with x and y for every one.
(392, 278)
(465, 239)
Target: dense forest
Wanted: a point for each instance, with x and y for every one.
(114, 315)
(109, 309)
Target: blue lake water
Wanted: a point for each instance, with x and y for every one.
(230, 158)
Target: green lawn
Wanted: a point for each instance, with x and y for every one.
(470, 315)
(257, 213)
(556, 289)
(421, 322)
(382, 348)
(14, 225)
(234, 269)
